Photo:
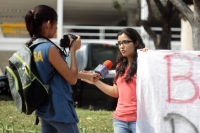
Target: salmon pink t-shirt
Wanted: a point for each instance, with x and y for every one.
(126, 109)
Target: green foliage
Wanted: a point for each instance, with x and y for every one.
(89, 121)
(116, 5)
(182, 17)
(158, 16)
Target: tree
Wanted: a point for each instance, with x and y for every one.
(167, 14)
(192, 16)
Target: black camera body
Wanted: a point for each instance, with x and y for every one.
(65, 41)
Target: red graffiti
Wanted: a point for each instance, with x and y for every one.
(186, 78)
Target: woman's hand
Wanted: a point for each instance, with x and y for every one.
(76, 44)
(89, 77)
(144, 49)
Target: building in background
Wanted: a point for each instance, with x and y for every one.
(75, 12)
(93, 20)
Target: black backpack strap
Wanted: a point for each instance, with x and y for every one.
(51, 110)
(50, 77)
(37, 120)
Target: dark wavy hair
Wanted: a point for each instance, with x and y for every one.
(122, 61)
(35, 18)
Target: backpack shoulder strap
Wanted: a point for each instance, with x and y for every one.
(50, 77)
(37, 42)
(42, 39)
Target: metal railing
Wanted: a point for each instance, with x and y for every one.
(106, 32)
(92, 34)
(109, 33)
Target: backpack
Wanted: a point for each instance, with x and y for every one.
(27, 90)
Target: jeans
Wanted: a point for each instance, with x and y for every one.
(49, 126)
(124, 127)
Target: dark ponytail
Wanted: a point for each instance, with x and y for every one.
(29, 22)
(35, 18)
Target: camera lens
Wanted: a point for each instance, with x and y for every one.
(65, 41)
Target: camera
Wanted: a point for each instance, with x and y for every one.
(65, 41)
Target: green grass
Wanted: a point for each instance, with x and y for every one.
(99, 121)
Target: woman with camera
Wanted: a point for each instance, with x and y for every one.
(42, 22)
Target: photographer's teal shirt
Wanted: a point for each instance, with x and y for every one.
(61, 90)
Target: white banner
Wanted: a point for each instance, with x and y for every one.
(168, 84)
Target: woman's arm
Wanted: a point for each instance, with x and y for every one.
(107, 89)
(70, 74)
(61, 66)
(91, 76)
(111, 90)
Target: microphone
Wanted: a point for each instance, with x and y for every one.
(103, 69)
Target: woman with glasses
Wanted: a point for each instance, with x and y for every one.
(124, 86)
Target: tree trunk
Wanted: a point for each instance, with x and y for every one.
(195, 24)
(193, 17)
(196, 35)
(151, 33)
(165, 37)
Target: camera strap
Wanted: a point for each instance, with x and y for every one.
(60, 51)
(71, 43)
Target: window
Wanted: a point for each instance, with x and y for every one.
(101, 53)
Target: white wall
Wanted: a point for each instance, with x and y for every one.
(186, 34)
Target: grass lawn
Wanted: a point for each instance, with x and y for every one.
(92, 121)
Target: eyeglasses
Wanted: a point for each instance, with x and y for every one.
(124, 42)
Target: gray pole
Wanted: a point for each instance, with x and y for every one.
(144, 16)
